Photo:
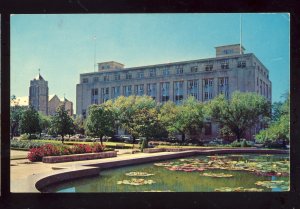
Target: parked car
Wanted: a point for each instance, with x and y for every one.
(117, 138)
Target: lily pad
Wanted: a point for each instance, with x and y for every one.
(237, 189)
(139, 174)
(284, 185)
(217, 175)
(136, 182)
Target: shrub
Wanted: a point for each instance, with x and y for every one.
(81, 148)
(35, 154)
(24, 137)
(242, 143)
(97, 147)
(25, 144)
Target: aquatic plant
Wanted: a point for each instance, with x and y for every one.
(139, 174)
(217, 175)
(136, 182)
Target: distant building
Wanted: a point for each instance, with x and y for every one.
(38, 94)
(231, 70)
(55, 102)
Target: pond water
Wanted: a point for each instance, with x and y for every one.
(195, 174)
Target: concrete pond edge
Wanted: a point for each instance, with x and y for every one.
(87, 169)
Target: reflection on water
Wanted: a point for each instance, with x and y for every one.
(188, 179)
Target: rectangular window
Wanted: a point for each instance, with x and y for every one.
(207, 128)
(115, 92)
(241, 64)
(179, 70)
(106, 78)
(151, 90)
(225, 64)
(139, 90)
(104, 94)
(209, 67)
(178, 92)
(94, 96)
(164, 89)
(165, 72)
(267, 89)
(140, 75)
(117, 76)
(194, 69)
(152, 72)
(127, 91)
(223, 87)
(128, 75)
(208, 88)
(85, 80)
(192, 88)
(96, 79)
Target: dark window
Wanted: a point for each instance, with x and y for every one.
(117, 76)
(96, 79)
(128, 76)
(209, 67)
(152, 73)
(241, 64)
(179, 70)
(85, 80)
(194, 69)
(225, 64)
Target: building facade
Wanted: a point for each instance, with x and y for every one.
(55, 102)
(231, 70)
(38, 94)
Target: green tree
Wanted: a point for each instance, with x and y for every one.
(183, 118)
(45, 122)
(280, 126)
(100, 121)
(61, 123)
(30, 122)
(132, 114)
(16, 112)
(240, 113)
(79, 124)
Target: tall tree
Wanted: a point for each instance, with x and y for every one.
(61, 123)
(45, 122)
(30, 122)
(240, 113)
(183, 118)
(16, 112)
(280, 126)
(131, 112)
(100, 121)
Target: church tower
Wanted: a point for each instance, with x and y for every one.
(38, 94)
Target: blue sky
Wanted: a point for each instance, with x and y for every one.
(62, 46)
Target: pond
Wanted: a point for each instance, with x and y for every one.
(257, 173)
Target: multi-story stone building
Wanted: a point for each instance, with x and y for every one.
(231, 70)
(38, 94)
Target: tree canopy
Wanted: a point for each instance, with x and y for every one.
(30, 121)
(61, 123)
(100, 121)
(240, 113)
(182, 118)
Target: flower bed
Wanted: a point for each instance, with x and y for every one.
(38, 153)
(77, 157)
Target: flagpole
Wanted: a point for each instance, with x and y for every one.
(94, 53)
(241, 34)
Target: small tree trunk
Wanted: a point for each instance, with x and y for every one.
(133, 141)
(62, 139)
(101, 140)
(182, 137)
